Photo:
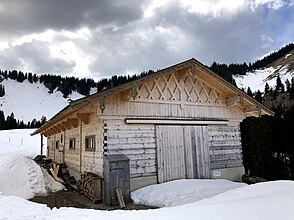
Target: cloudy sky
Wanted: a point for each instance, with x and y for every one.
(95, 38)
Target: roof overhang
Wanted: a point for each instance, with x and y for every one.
(235, 97)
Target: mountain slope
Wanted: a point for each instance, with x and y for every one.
(30, 101)
(256, 80)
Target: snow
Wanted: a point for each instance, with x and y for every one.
(271, 200)
(181, 192)
(257, 79)
(180, 199)
(20, 175)
(287, 55)
(32, 100)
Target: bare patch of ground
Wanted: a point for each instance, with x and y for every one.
(72, 198)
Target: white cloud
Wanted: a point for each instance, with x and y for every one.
(273, 4)
(4, 45)
(214, 8)
(267, 42)
(155, 4)
(45, 36)
(69, 52)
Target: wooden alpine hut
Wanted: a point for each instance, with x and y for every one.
(179, 122)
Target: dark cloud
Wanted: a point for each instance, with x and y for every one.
(240, 37)
(20, 17)
(34, 57)
(121, 40)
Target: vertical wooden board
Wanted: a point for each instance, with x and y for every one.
(206, 152)
(194, 153)
(200, 152)
(188, 152)
(171, 153)
(159, 155)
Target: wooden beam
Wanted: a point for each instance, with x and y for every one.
(175, 122)
(42, 143)
(66, 124)
(45, 133)
(235, 101)
(61, 127)
(57, 129)
(85, 117)
(73, 122)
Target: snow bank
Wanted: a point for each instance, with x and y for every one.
(181, 192)
(20, 175)
(270, 201)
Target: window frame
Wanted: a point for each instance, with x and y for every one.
(72, 144)
(87, 139)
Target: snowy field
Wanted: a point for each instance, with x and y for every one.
(257, 79)
(24, 98)
(21, 179)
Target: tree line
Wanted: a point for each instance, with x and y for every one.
(66, 85)
(227, 71)
(10, 122)
(267, 144)
(267, 141)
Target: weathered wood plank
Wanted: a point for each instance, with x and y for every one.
(225, 147)
(135, 141)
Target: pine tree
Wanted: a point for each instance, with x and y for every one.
(291, 93)
(258, 96)
(2, 90)
(279, 85)
(2, 120)
(266, 88)
(249, 92)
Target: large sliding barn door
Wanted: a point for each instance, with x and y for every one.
(182, 152)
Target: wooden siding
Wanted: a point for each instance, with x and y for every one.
(78, 158)
(93, 161)
(225, 147)
(72, 156)
(182, 152)
(54, 153)
(137, 142)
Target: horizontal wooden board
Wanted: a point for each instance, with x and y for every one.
(136, 142)
(225, 147)
(131, 141)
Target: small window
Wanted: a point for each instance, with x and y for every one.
(72, 144)
(56, 144)
(90, 143)
(61, 138)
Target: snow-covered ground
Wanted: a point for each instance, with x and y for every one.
(180, 192)
(20, 175)
(257, 79)
(32, 100)
(208, 199)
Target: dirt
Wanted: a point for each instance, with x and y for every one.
(72, 198)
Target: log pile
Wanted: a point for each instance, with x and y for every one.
(90, 185)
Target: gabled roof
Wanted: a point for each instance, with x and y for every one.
(235, 94)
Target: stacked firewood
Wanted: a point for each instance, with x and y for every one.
(90, 186)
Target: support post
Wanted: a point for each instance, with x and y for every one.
(42, 143)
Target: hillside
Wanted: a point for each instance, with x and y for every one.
(256, 80)
(30, 101)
